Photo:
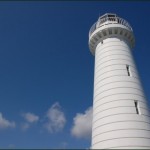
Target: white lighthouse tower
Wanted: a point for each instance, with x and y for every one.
(121, 119)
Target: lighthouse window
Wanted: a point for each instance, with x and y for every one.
(104, 33)
(125, 34)
(110, 31)
(121, 32)
(128, 70)
(111, 15)
(136, 107)
(129, 36)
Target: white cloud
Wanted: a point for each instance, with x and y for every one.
(82, 127)
(25, 126)
(56, 118)
(4, 123)
(30, 117)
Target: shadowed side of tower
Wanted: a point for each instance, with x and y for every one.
(120, 112)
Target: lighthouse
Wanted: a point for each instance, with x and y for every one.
(121, 119)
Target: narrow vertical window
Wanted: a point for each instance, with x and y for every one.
(137, 107)
(128, 70)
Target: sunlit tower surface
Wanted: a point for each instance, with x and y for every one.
(120, 112)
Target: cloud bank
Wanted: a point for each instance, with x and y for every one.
(4, 123)
(30, 117)
(55, 118)
(82, 124)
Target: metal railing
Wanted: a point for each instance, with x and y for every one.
(103, 21)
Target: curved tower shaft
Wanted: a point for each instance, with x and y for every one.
(120, 112)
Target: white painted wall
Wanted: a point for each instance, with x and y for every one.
(116, 123)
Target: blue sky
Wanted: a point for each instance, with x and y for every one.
(47, 70)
